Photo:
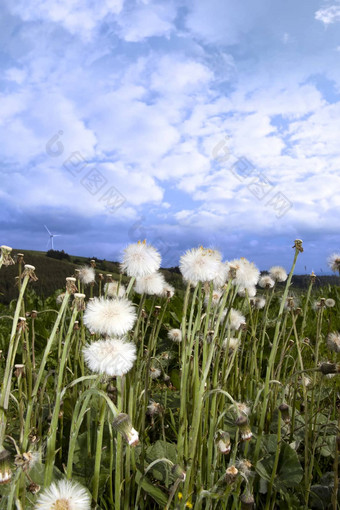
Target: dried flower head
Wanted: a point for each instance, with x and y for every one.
(140, 259)
(29, 271)
(231, 474)
(113, 357)
(64, 495)
(223, 442)
(155, 372)
(5, 257)
(27, 460)
(111, 317)
(245, 431)
(278, 274)
(244, 466)
(247, 291)
(168, 290)
(71, 286)
(333, 341)
(200, 265)
(87, 275)
(152, 284)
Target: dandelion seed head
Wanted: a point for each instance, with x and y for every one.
(111, 289)
(200, 265)
(222, 276)
(334, 262)
(168, 290)
(278, 273)
(247, 291)
(330, 303)
(112, 317)
(140, 259)
(112, 357)
(231, 343)
(266, 282)
(215, 298)
(152, 284)
(333, 341)
(87, 275)
(175, 335)
(243, 273)
(64, 495)
(258, 302)
(155, 373)
(235, 319)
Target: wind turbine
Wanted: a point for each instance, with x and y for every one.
(51, 237)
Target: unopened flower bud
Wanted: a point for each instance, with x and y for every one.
(71, 286)
(6, 258)
(284, 410)
(122, 423)
(29, 271)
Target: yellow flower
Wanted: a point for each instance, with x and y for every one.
(187, 504)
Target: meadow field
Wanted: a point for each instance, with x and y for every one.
(130, 387)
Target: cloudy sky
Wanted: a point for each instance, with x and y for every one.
(188, 123)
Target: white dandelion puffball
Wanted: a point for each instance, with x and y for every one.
(231, 343)
(236, 319)
(111, 289)
(330, 303)
(278, 273)
(200, 265)
(175, 335)
(266, 282)
(152, 284)
(243, 273)
(168, 290)
(247, 291)
(64, 495)
(112, 357)
(215, 298)
(222, 276)
(334, 262)
(140, 259)
(113, 317)
(258, 302)
(333, 342)
(87, 275)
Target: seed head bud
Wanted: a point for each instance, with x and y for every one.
(122, 423)
(247, 501)
(245, 431)
(223, 443)
(93, 263)
(329, 368)
(20, 258)
(34, 314)
(5, 470)
(157, 310)
(284, 410)
(100, 276)
(21, 326)
(76, 325)
(109, 277)
(312, 277)
(178, 472)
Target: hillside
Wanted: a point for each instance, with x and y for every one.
(52, 272)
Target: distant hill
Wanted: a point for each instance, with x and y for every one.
(51, 272)
(53, 267)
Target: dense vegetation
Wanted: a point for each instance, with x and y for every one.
(242, 412)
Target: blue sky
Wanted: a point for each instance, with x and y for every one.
(189, 123)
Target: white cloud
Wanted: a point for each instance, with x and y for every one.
(79, 17)
(328, 15)
(147, 19)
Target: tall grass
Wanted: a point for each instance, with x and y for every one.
(228, 418)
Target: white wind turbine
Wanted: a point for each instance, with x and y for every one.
(51, 238)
